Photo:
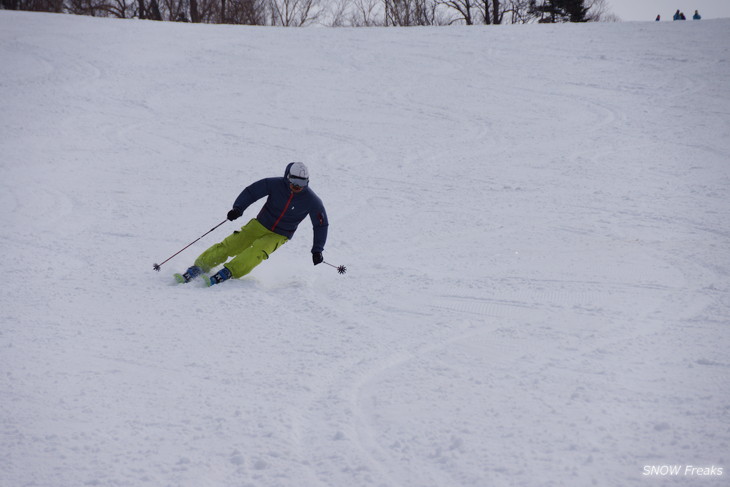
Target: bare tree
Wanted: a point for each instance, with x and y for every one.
(56, 6)
(367, 13)
(294, 13)
(337, 13)
(153, 12)
(465, 9)
(248, 12)
(598, 11)
(411, 12)
(489, 11)
(492, 11)
(175, 10)
(93, 8)
(519, 11)
(122, 9)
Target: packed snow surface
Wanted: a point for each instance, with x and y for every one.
(535, 221)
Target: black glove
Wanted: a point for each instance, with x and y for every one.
(234, 213)
(317, 258)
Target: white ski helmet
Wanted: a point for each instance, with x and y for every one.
(298, 174)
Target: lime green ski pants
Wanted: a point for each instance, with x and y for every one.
(248, 247)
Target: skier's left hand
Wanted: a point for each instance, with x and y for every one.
(317, 258)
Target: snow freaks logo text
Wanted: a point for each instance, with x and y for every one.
(681, 471)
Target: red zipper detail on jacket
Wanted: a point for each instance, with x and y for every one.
(291, 195)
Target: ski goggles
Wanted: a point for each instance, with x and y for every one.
(298, 182)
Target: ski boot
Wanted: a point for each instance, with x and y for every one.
(188, 275)
(220, 276)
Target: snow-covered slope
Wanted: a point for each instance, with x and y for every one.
(534, 218)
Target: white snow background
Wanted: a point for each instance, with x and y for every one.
(535, 221)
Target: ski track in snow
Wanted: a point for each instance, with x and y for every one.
(534, 219)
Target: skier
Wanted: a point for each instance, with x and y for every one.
(289, 201)
(696, 16)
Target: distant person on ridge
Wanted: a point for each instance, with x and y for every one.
(677, 15)
(696, 16)
(658, 18)
(289, 201)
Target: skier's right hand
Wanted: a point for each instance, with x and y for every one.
(234, 213)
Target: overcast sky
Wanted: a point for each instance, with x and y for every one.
(648, 9)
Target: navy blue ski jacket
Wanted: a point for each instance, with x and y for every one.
(284, 209)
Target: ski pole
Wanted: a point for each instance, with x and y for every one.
(158, 266)
(340, 268)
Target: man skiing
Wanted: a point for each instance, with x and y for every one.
(289, 200)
